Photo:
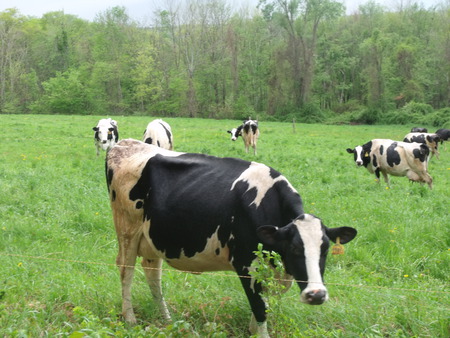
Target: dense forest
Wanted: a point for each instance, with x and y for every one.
(284, 59)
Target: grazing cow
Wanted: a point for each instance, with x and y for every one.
(106, 134)
(249, 131)
(444, 134)
(431, 140)
(159, 133)
(203, 213)
(419, 130)
(394, 158)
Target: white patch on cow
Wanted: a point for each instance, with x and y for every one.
(358, 151)
(258, 176)
(206, 260)
(233, 136)
(311, 232)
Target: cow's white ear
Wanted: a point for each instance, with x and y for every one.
(346, 234)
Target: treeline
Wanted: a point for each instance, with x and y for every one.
(302, 59)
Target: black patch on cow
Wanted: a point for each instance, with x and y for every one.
(381, 150)
(374, 161)
(421, 153)
(96, 134)
(392, 156)
(418, 138)
(217, 251)
(139, 204)
(186, 196)
(158, 144)
(365, 155)
(113, 196)
(149, 140)
(168, 133)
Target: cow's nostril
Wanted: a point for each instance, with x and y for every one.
(316, 297)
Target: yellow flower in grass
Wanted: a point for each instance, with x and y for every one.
(20, 264)
(406, 276)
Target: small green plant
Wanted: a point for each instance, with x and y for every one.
(268, 269)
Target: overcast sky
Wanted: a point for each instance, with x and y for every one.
(143, 9)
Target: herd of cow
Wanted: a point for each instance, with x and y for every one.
(408, 158)
(203, 213)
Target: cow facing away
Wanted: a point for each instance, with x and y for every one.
(394, 158)
(249, 131)
(106, 134)
(203, 213)
(431, 140)
(159, 134)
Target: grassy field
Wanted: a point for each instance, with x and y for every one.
(58, 245)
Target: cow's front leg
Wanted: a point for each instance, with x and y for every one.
(153, 273)
(258, 325)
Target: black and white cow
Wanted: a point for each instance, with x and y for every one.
(159, 133)
(419, 130)
(431, 140)
(444, 134)
(394, 158)
(106, 134)
(203, 213)
(249, 131)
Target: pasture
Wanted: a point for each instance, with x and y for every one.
(58, 246)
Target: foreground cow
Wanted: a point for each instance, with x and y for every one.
(249, 131)
(159, 133)
(106, 134)
(431, 140)
(394, 158)
(419, 130)
(203, 213)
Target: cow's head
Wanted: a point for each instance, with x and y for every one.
(432, 142)
(105, 135)
(235, 133)
(361, 154)
(303, 245)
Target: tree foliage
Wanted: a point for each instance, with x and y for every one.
(303, 59)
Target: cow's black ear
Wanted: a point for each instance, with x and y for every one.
(229, 131)
(95, 129)
(350, 151)
(272, 235)
(345, 234)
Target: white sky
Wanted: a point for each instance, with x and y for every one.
(143, 9)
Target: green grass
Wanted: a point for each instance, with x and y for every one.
(58, 245)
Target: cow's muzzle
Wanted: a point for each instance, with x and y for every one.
(315, 297)
(359, 163)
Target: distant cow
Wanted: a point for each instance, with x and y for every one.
(444, 134)
(419, 130)
(106, 134)
(159, 133)
(249, 131)
(394, 158)
(203, 213)
(431, 140)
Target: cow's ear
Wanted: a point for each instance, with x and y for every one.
(345, 234)
(271, 235)
(229, 132)
(350, 151)
(95, 129)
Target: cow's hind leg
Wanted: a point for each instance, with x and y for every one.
(126, 260)
(153, 273)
